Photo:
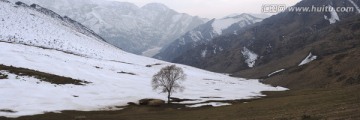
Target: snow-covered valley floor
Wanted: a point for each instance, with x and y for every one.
(108, 87)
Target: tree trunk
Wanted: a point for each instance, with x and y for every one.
(168, 101)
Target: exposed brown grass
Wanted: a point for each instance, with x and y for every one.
(46, 77)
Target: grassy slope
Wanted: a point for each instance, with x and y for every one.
(341, 69)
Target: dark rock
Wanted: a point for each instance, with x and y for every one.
(151, 102)
(131, 103)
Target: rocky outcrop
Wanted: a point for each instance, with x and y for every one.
(151, 102)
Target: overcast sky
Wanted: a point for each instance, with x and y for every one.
(214, 8)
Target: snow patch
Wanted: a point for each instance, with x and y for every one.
(334, 16)
(195, 35)
(214, 104)
(182, 41)
(203, 53)
(308, 59)
(250, 57)
(273, 73)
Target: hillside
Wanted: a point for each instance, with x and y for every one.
(338, 48)
(278, 42)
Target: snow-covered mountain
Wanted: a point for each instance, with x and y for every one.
(205, 33)
(35, 39)
(140, 30)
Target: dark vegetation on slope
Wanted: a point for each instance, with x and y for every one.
(337, 70)
(338, 48)
(46, 77)
(285, 38)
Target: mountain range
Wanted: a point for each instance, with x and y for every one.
(205, 33)
(283, 43)
(140, 30)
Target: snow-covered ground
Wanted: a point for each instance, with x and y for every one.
(108, 87)
(137, 28)
(151, 52)
(28, 42)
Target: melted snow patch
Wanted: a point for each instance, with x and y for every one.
(334, 16)
(214, 104)
(308, 59)
(250, 56)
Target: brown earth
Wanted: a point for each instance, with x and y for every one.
(340, 103)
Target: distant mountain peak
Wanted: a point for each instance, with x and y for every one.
(244, 19)
(155, 6)
(236, 15)
(243, 15)
(121, 4)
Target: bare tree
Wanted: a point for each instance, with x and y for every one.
(168, 79)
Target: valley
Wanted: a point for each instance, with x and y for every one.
(88, 66)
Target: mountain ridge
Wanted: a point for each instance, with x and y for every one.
(125, 25)
(271, 39)
(205, 33)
